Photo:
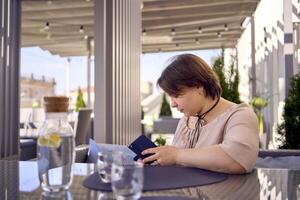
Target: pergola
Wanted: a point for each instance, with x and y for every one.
(63, 27)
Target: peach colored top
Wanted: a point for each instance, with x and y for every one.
(235, 130)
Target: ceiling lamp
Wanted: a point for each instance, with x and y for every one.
(47, 26)
(197, 41)
(199, 30)
(225, 27)
(81, 30)
(173, 31)
(219, 34)
(144, 32)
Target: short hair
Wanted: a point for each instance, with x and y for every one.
(188, 70)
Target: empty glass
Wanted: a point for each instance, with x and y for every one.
(127, 180)
(104, 164)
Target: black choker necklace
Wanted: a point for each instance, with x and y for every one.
(201, 116)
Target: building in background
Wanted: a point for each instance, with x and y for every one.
(146, 89)
(32, 90)
(268, 56)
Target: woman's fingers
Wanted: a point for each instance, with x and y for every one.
(150, 158)
(149, 151)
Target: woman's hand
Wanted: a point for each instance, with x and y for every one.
(163, 155)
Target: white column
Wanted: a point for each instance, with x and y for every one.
(10, 12)
(288, 42)
(89, 40)
(117, 70)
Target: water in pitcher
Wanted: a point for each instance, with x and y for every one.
(55, 159)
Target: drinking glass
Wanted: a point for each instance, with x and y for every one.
(104, 164)
(127, 180)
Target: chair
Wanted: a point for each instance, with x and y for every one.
(27, 149)
(286, 159)
(278, 153)
(82, 126)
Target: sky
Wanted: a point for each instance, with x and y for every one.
(41, 63)
(153, 64)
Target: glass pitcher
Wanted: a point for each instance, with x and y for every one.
(55, 146)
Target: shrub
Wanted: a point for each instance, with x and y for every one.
(79, 101)
(289, 130)
(165, 109)
(229, 83)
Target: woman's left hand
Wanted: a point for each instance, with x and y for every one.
(163, 155)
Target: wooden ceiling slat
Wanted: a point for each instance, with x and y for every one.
(179, 4)
(43, 5)
(196, 9)
(158, 18)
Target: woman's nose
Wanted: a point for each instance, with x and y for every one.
(173, 103)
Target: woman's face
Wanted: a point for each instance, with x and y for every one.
(189, 102)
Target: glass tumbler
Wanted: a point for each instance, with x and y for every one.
(127, 180)
(104, 164)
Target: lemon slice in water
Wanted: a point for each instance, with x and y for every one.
(52, 140)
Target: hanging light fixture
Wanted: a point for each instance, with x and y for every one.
(81, 30)
(173, 31)
(199, 30)
(47, 26)
(219, 34)
(197, 41)
(225, 27)
(144, 32)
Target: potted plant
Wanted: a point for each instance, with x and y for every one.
(258, 103)
(160, 141)
(289, 129)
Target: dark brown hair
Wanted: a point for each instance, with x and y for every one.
(186, 71)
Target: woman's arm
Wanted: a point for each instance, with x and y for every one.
(211, 158)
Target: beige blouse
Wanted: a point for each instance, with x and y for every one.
(236, 132)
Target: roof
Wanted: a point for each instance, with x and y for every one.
(167, 25)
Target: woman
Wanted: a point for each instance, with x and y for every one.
(214, 134)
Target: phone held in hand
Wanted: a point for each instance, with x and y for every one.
(139, 145)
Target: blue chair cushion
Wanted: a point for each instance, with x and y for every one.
(94, 148)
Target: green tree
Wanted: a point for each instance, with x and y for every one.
(289, 129)
(165, 109)
(229, 83)
(79, 101)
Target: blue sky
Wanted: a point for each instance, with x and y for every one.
(42, 63)
(153, 64)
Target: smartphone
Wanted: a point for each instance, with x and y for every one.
(139, 145)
